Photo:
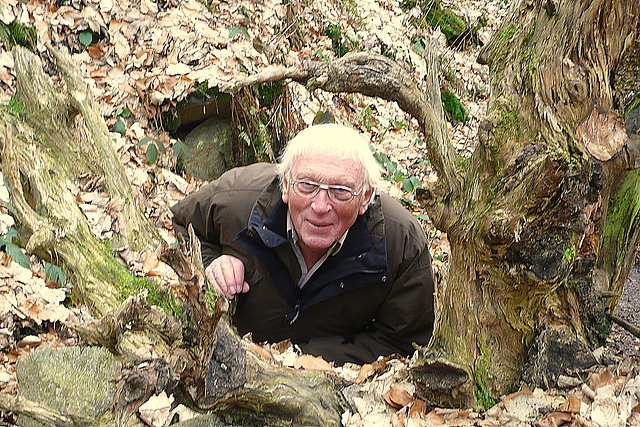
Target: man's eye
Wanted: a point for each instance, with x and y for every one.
(307, 187)
(338, 191)
(341, 194)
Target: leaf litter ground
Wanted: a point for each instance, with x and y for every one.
(146, 56)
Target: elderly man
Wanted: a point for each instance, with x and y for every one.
(313, 253)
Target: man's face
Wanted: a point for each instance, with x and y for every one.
(320, 221)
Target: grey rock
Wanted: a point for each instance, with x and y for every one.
(210, 149)
(71, 380)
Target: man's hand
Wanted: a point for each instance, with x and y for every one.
(226, 275)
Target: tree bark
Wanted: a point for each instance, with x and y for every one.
(545, 228)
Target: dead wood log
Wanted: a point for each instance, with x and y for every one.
(37, 411)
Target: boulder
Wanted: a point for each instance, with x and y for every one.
(210, 149)
(71, 380)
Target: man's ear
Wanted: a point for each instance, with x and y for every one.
(364, 205)
(285, 189)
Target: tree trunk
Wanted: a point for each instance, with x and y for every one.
(545, 228)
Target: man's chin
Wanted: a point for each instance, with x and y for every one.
(318, 244)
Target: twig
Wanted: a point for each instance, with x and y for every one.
(632, 329)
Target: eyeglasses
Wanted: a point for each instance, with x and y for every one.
(337, 193)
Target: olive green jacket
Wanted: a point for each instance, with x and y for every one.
(373, 297)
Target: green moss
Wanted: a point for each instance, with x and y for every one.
(457, 30)
(453, 108)
(17, 106)
(16, 34)
(508, 32)
(481, 389)
(632, 106)
(569, 253)
(622, 223)
(507, 128)
(130, 285)
(451, 25)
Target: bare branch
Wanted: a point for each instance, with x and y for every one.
(378, 76)
(37, 411)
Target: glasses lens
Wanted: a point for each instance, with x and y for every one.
(306, 188)
(336, 192)
(341, 194)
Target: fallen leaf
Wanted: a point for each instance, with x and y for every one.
(418, 408)
(156, 410)
(398, 397)
(365, 372)
(435, 418)
(599, 379)
(571, 405)
(262, 352)
(312, 363)
(150, 263)
(281, 346)
(634, 419)
(554, 419)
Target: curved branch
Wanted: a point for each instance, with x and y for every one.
(378, 76)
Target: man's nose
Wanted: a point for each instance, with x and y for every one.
(321, 201)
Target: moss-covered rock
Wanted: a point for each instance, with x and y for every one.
(72, 380)
(210, 149)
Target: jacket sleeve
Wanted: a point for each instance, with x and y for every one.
(198, 209)
(406, 316)
(221, 208)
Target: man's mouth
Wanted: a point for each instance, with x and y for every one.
(318, 225)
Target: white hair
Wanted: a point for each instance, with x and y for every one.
(335, 139)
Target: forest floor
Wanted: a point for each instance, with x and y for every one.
(621, 341)
(147, 55)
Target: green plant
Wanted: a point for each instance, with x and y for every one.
(268, 92)
(16, 34)
(334, 32)
(234, 30)
(17, 106)
(409, 183)
(119, 126)
(366, 118)
(418, 44)
(153, 147)
(54, 273)
(180, 149)
(86, 37)
(6, 243)
(321, 55)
